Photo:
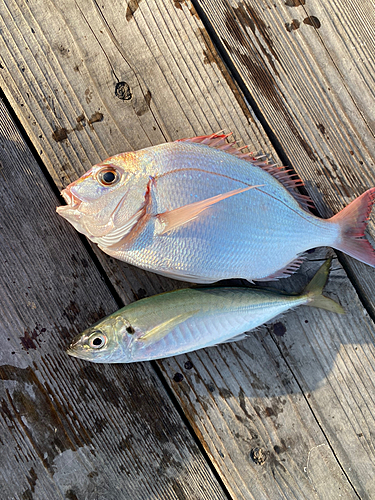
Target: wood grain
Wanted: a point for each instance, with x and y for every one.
(262, 409)
(70, 429)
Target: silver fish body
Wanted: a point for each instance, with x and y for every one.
(194, 212)
(189, 319)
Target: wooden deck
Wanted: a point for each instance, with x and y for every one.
(289, 413)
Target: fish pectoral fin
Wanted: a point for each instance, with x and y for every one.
(161, 330)
(182, 215)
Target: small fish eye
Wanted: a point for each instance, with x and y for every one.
(108, 176)
(97, 341)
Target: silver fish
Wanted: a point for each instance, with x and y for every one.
(201, 210)
(185, 320)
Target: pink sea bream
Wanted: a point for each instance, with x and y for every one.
(201, 210)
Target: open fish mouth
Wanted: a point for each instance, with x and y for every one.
(70, 199)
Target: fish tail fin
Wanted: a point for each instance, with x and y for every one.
(314, 291)
(353, 220)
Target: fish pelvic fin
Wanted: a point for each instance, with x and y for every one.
(178, 217)
(287, 178)
(353, 220)
(314, 291)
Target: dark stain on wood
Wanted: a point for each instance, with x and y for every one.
(211, 56)
(188, 365)
(248, 16)
(133, 5)
(179, 3)
(60, 134)
(312, 21)
(279, 329)
(293, 25)
(72, 311)
(262, 77)
(96, 117)
(29, 338)
(321, 128)
(294, 3)
(177, 488)
(145, 106)
(31, 479)
(178, 377)
(47, 428)
(225, 393)
(241, 397)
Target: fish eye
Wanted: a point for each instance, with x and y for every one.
(97, 340)
(108, 176)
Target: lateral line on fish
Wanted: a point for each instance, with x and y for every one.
(237, 180)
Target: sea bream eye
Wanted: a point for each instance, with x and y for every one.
(108, 176)
(97, 340)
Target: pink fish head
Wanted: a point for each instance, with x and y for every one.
(106, 196)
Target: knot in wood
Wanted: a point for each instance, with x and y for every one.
(122, 91)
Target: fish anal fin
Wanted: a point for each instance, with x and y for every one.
(236, 338)
(219, 141)
(178, 217)
(161, 330)
(286, 271)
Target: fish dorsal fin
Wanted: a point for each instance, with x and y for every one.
(290, 182)
(167, 221)
(161, 330)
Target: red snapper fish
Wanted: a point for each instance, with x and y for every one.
(202, 210)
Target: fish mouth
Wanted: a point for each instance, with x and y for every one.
(71, 200)
(76, 346)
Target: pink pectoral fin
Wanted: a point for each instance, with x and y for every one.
(182, 215)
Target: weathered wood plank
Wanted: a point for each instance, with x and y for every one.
(67, 429)
(162, 49)
(309, 69)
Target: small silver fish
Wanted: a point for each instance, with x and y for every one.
(185, 320)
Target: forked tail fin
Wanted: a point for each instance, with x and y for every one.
(353, 220)
(314, 290)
